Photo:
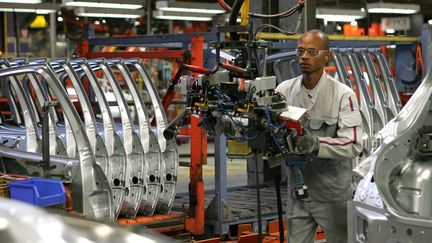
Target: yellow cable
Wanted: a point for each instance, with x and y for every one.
(244, 13)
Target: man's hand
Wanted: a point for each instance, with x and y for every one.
(308, 143)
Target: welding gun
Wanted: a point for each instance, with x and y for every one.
(293, 119)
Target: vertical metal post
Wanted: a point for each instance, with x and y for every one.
(149, 15)
(258, 198)
(195, 223)
(17, 32)
(53, 35)
(45, 139)
(220, 181)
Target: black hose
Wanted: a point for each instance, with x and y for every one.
(235, 10)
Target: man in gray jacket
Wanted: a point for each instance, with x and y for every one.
(333, 138)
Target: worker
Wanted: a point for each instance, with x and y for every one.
(333, 138)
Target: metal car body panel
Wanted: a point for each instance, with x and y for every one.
(170, 154)
(392, 202)
(132, 145)
(152, 152)
(112, 160)
(379, 94)
(91, 191)
(57, 147)
(394, 101)
(364, 109)
(22, 222)
(32, 141)
(377, 117)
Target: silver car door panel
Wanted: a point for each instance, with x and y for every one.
(376, 82)
(152, 166)
(170, 156)
(364, 112)
(33, 141)
(90, 189)
(132, 144)
(57, 147)
(376, 115)
(113, 143)
(394, 101)
(113, 162)
(131, 195)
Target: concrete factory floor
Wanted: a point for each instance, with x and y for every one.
(236, 169)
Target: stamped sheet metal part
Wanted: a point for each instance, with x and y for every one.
(364, 109)
(22, 222)
(170, 156)
(57, 146)
(114, 145)
(33, 142)
(394, 101)
(392, 203)
(132, 144)
(90, 188)
(376, 113)
(380, 98)
(152, 153)
(343, 74)
(112, 160)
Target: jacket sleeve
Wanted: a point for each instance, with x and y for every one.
(348, 143)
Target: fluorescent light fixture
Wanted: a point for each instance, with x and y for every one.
(181, 16)
(394, 8)
(111, 13)
(430, 21)
(21, 1)
(40, 8)
(27, 10)
(339, 15)
(189, 7)
(102, 5)
(390, 31)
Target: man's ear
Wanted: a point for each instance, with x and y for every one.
(327, 56)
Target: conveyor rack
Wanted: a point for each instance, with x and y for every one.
(242, 204)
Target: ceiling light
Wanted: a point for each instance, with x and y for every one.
(102, 5)
(394, 8)
(40, 8)
(181, 16)
(112, 13)
(339, 15)
(189, 7)
(109, 15)
(21, 1)
(27, 10)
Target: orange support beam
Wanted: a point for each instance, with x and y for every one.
(195, 224)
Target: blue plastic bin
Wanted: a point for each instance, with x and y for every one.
(38, 191)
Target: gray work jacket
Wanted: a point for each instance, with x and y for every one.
(335, 118)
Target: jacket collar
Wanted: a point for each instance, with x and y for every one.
(315, 91)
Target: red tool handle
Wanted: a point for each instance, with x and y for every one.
(233, 68)
(197, 69)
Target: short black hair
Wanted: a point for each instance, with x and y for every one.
(321, 34)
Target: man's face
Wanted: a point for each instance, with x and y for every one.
(311, 53)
